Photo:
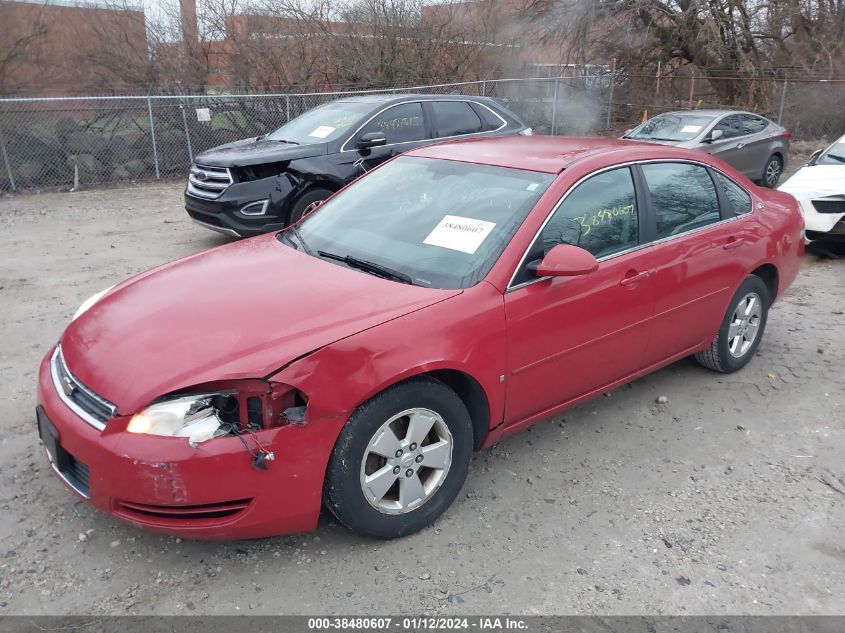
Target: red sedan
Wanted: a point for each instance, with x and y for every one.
(453, 296)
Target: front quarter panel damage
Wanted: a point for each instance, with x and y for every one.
(465, 333)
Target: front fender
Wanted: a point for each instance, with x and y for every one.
(465, 333)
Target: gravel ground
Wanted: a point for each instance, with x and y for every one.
(727, 499)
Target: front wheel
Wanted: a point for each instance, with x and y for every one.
(772, 171)
(741, 329)
(307, 202)
(401, 460)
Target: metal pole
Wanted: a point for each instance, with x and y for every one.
(691, 88)
(187, 134)
(153, 135)
(6, 162)
(782, 100)
(554, 106)
(483, 88)
(657, 85)
(610, 98)
(287, 106)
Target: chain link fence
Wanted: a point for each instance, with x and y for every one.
(85, 141)
(88, 141)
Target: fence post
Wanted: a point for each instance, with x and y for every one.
(554, 105)
(6, 162)
(691, 88)
(287, 108)
(610, 97)
(153, 135)
(187, 134)
(782, 100)
(483, 87)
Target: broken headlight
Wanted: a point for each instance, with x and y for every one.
(196, 417)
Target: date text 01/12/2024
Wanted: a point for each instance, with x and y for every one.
(384, 624)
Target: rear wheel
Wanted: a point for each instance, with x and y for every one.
(401, 460)
(772, 171)
(307, 202)
(741, 329)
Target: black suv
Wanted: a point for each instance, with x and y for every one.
(265, 183)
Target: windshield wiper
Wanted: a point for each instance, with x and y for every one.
(281, 140)
(841, 159)
(369, 267)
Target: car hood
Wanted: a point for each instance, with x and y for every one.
(816, 181)
(257, 151)
(242, 310)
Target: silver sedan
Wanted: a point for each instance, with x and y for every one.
(753, 144)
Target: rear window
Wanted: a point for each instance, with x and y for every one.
(489, 121)
(455, 118)
(738, 198)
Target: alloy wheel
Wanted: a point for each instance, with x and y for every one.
(773, 170)
(406, 461)
(745, 324)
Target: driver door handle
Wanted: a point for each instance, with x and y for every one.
(733, 242)
(632, 278)
(740, 145)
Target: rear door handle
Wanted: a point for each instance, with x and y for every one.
(740, 145)
(733, 242)
(633, 278)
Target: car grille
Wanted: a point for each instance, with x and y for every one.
(208, 182)
(829, 206)
(92, 408)
(202, 512)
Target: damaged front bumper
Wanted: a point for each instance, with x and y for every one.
(163, 484)
(244, 209)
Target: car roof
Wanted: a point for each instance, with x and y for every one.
(386, 98)
(549, 154)
(709, 112)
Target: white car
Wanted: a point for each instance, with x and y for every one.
(819, 187)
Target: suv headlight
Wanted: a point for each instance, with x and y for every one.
(194, 417)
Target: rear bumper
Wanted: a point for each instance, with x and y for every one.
(208, 492)
(224, 214)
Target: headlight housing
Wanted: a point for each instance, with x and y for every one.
(195, 416)
(90, 301)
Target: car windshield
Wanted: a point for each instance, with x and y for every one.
(323, 123)
(833, 155)
(671, 127)
(430, 222)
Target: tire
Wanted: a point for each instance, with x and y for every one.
(772, 171)
(412, 501)
(731, 350)
(304, 203)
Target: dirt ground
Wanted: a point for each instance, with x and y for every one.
(728, 499)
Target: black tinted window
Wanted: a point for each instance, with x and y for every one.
(738, 198)
(455, 117)
(489, 121)
(400, 124)
(599, 215)
(683, 197)
(731, 126)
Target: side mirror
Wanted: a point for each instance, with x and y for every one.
(814, 157)
(372, 139)
(565, 260)
(715, 135)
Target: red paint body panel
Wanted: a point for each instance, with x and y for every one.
(259, 309)
(238, 311)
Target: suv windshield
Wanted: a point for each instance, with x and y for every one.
(323, 123)
(435, 223)
(671, 127)
(833, 155)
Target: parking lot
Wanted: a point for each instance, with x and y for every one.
(727, 499)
